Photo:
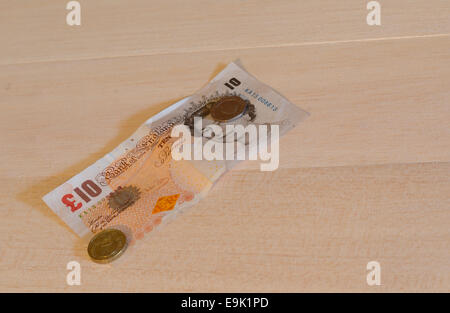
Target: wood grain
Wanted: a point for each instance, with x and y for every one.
(315, 231)
(38, 31)
(366, 177)
(377, 102)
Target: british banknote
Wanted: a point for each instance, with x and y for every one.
(138, 184)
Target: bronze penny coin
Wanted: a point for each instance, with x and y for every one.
(228, 108)
(107, 245)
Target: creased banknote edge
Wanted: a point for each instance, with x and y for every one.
(303, 114)
(81, 229)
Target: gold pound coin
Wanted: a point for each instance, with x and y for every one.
(228, 108)
(107, 245)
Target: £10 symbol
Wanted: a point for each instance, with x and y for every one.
(233, 82)
(88, 190)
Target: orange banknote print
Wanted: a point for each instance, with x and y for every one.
(145, 192)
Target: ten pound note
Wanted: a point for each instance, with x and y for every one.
(139, 184)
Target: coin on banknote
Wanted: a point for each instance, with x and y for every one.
(107, 245)
(228, 108)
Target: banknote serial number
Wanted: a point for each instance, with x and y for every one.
(86, 191)
(261, 99)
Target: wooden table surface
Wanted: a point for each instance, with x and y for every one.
(365, 178)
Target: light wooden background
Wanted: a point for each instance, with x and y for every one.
(366, 177)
